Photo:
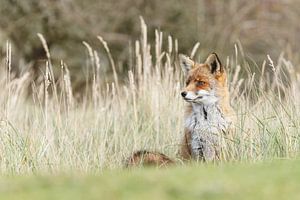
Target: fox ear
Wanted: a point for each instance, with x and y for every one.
(186, 63)
(214, 63)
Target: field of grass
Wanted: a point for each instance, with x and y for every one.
(46, 128)
(67, 128)
(270, 180)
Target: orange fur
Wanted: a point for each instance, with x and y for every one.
(146, 158)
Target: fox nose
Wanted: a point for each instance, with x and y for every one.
(183, 94)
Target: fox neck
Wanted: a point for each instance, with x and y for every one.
(206, 118)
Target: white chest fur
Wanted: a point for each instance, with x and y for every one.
(206, 124)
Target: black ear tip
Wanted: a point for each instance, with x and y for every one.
(217, 57)
(215, 54)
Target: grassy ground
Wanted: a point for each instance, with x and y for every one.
(64, 137)
(271, 180)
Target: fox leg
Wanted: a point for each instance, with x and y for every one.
(185, 149)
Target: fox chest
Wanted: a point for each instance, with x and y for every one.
(206, 125)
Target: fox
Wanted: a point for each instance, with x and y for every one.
(208, 114)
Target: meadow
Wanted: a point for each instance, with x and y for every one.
(58, 143)
(46, 129)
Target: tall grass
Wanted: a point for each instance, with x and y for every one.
(48, 130)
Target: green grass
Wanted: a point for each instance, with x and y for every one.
(278, 179)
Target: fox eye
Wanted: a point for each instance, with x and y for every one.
(200, 83)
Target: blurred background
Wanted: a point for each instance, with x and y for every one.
(261, 27)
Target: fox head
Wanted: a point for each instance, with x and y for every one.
(202, 80)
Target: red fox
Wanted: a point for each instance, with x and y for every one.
(208, 113)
